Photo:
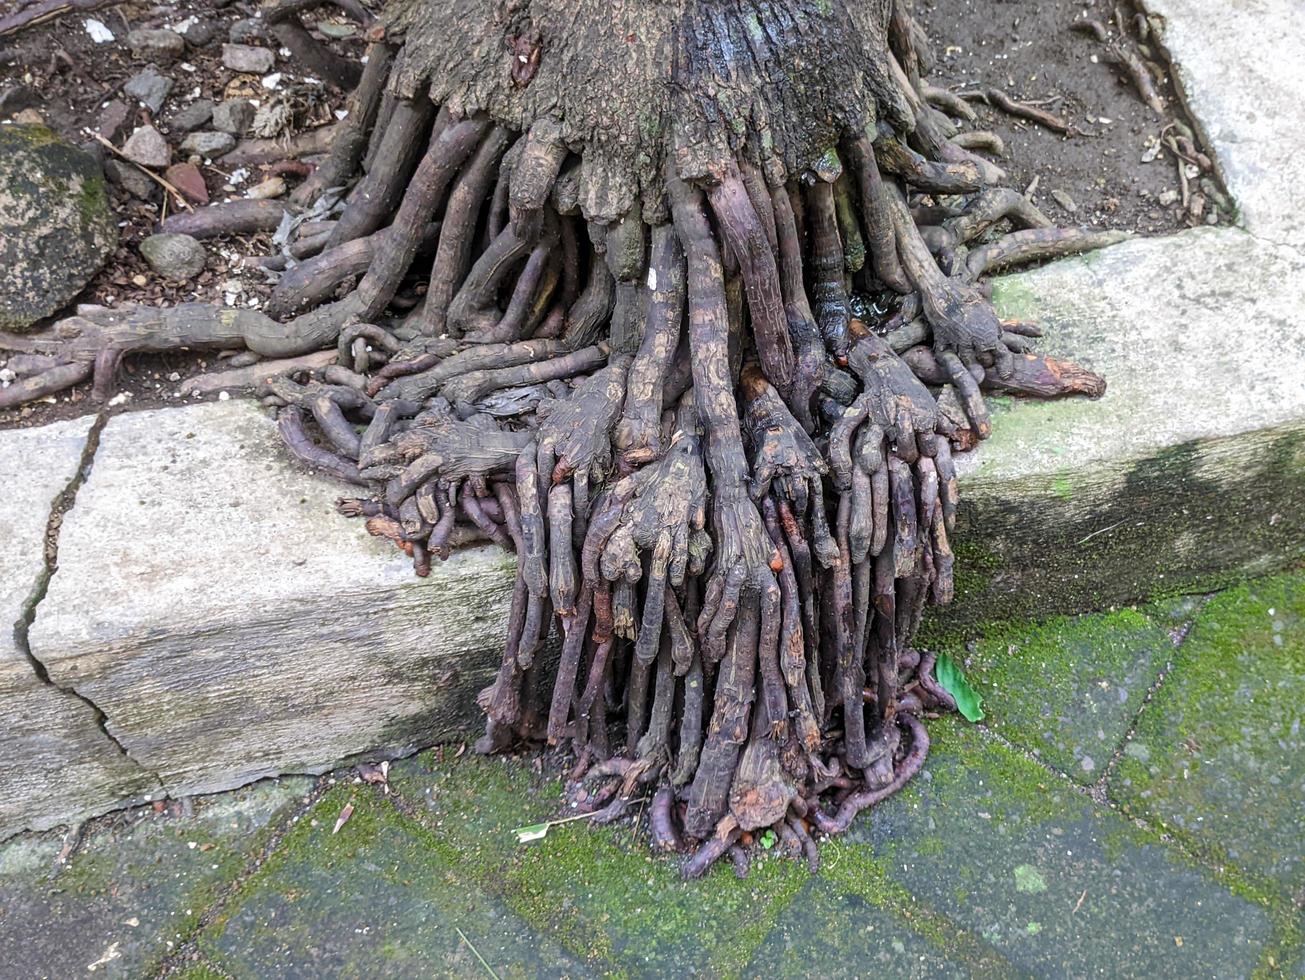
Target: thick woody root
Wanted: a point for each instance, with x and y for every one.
(730, 500)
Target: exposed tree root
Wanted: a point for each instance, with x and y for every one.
(730, 499)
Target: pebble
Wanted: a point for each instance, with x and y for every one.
(149, 88)
(147, 147)
(208, 144)
(247, 59)
(1168, 197)
(246, 30)
(192, 117)
(200, 34)
(112, 123)
(157, 45)
(186, 178)
(1064, 200)
(174, 256)
(233, 116)
(130, 180)
(270, 188)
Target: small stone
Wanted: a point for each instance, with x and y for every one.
(112, 123)
(177, 257)
(131, 180)
(270, 188)
(246, 30)
(30, 117)
(192, 117)
(160, 46)
(149, 88)
(233, 116)
(186, 178)
(147, 147)
(200, 33)
(247, 59)
(1064, 200)
(337, 29)
(1168, 197)
(208, 144)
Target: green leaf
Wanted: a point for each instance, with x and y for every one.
(534, 832)
(768, 840)
(968, 701)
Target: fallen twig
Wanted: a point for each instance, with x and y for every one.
(152, 176)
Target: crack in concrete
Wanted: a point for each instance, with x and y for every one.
(61, 505)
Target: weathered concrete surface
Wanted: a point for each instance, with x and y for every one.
(1188, 472)
(239, 627)
(136, 884)
(1241, 68)
(55, 762)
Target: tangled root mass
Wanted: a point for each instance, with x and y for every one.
(680, 303)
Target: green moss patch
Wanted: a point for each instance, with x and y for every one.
(1218, 758)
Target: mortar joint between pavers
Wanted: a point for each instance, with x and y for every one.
(1098, 789)
(185, 951)
(59, 507)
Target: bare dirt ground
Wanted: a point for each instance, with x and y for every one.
(58, 74)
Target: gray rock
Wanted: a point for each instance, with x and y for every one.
(147, 147)
(208, 144)
(55, 763)
(149, 88)
(131, 180)
(233, 116)
(246, 30)
(192, 117)
(157, 45)
(174, 256)
(200, 34)
(248, 59)
(56, 228)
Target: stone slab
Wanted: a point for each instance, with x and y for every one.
(1058, 884)
(1218, 756)
(1240, 68)
(1068, 689)
(381, 898)
(1163, 483)
(232, 626)
(55, 763)
(134, 888)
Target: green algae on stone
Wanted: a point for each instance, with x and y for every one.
(1117, 900)
(1218, 757)
(383, 896)
(1068, 688)
(135, 888)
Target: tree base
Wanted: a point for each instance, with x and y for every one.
(731, 497)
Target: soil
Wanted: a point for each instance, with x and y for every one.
(1028, 51)
(1094, 177)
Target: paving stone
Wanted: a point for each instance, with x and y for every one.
(55, 763)
(241, 628)
(1248, 107)
(1058, 884)
(135, 887)
(830, 934)
(383, 897)
(1219, 755)
(1069, 688)
(1079, 505)
(598, 890)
